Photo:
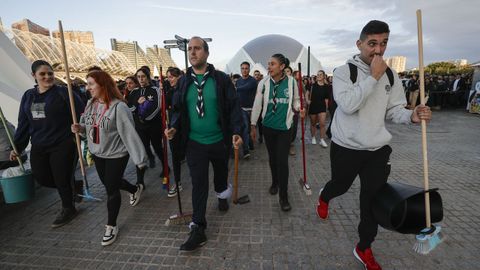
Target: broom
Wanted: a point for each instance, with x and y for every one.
(431, 236)
(166, 178)
(86, 190)
(244, 199)
(180, 218)
(303, 181)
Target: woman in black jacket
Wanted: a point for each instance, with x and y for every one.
(144, 102)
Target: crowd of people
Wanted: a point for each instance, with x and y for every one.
(441, 91)
(210, 113)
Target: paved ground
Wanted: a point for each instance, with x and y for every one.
(259, 235)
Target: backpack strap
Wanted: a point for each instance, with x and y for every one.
(353, 72)
(390, 76)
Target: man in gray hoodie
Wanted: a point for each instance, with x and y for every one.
(367, 93)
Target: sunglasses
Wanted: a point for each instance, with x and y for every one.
(50, 73)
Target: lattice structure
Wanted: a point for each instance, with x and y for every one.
(81, 56)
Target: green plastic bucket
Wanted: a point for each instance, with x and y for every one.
(18, 188)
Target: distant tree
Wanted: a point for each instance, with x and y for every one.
(440, 68)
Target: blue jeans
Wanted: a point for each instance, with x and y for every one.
(246, 132)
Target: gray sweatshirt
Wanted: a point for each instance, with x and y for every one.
(359, 121)
(117, 133)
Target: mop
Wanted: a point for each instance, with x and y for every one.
(303, 181)
(244, 199)
(180, 218)
(431, 236)
(86, 190)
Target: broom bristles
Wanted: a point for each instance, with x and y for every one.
(178, 219)
(306, 187)
(426, 241)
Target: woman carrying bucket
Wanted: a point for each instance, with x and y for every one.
(44, 120)
(112, 139)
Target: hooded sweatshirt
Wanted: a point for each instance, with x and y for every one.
(363, 106)
(117, 136)
(262, 99)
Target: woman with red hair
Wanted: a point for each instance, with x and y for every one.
(108, 124)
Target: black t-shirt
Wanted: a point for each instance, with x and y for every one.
(318, 94)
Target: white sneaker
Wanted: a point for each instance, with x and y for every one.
(323, 143)
(314, 141)
(110, 235)
(135, 197)
(173, 191)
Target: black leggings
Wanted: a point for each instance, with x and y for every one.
(110, 172)
(373, 169)
(54, 166)
(152, 133)
(278, 144)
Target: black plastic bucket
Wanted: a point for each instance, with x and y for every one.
(401, 208)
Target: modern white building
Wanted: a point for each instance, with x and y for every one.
(259, 50)
(398, 63)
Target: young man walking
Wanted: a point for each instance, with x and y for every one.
(246, 88)
(367, 94)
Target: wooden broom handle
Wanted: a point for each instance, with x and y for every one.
(70, 96)
(235, 176)
(423, 123)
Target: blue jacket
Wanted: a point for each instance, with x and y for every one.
(246, 90)
(52, 129)
(229, 109)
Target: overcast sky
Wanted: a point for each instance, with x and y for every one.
(451, 28)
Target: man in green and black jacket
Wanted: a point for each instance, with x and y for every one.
(208, 118)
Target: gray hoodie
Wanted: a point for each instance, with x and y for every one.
(117, 136)
(359, 121)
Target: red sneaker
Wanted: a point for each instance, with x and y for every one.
(322, 207)
(367, 259)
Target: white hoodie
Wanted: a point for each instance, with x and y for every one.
(359, 121)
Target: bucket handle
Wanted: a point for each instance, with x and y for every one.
(9, 135)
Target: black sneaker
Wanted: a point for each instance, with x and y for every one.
(151, 162)
(64, 217)
(273, 190)
(196, 239)
(222, 205)
(285, 205)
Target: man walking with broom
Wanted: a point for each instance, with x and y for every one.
(367, 92)
(208, 118)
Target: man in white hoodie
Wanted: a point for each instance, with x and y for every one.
(367, 93)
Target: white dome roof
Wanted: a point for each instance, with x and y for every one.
(259, 50)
